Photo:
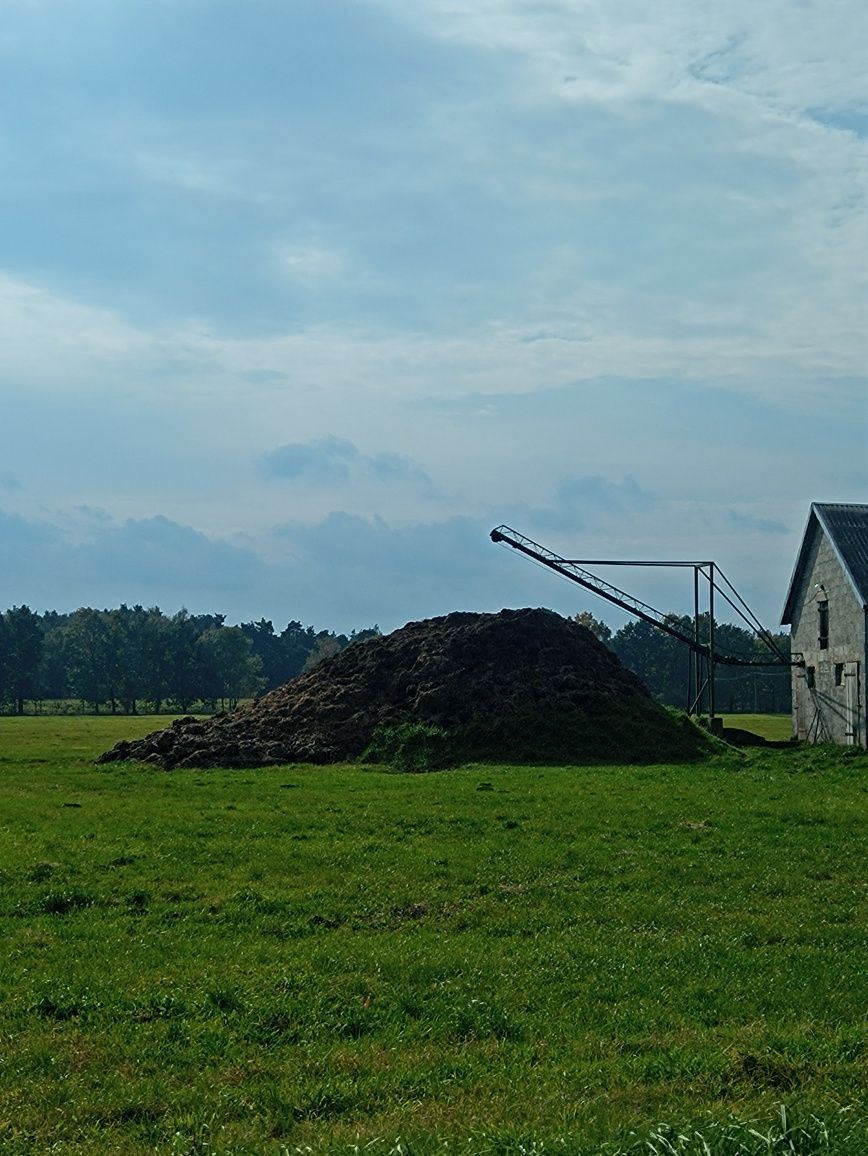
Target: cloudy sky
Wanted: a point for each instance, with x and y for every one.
(299, 298)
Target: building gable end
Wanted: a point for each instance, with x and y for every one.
(846, 528)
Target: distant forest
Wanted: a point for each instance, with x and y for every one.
(663, 663)
(133, 659)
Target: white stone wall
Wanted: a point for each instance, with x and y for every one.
(820, 713)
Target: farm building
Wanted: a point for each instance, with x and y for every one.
(827, 612)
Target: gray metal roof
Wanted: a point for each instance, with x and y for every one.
(846, 527)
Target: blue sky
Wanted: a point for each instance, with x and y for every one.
(299, 298)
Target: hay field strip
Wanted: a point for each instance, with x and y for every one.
(778, 727)
(492, 960)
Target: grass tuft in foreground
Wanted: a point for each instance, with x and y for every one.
(636, 730)
(783, 1136)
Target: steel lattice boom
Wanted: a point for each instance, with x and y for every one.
(572, 570)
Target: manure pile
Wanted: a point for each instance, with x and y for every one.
(518, 686)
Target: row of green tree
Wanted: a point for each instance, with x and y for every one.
(665, 664)
(133, 658)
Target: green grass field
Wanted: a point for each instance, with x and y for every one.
(489, 960)
(778, 727)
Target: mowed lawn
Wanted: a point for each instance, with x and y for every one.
(493, 960)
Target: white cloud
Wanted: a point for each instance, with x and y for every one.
(337, 461)
(521, 243)
(153, 560)
(308, 261)
(198, 173)
(242, 391)
(708, 125)
(790, 57)
(47, 334)
(346, 571)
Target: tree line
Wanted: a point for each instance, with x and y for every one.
(131, 659)
(664, 663)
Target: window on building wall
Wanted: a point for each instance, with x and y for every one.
(839, 674)
(809, 676)
(823, 625)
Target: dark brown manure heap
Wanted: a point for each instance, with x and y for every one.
(521, 686)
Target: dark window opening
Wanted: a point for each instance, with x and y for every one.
(809, 676)
(839, 674)
(823, 625)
